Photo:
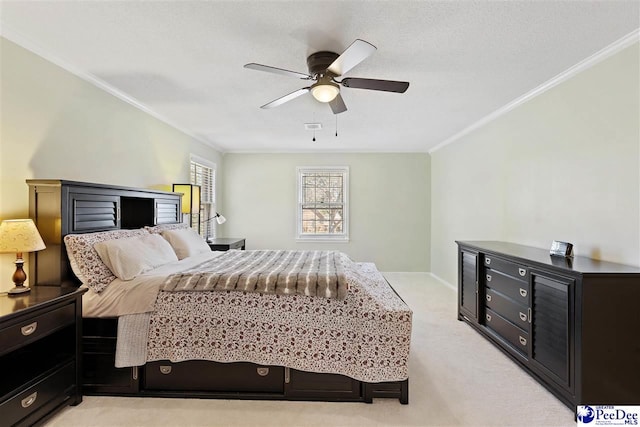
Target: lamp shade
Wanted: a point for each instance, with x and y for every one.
(220, 219)
(190, 197)
(19, 235)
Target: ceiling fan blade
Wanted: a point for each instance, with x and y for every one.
(337, 105)
(260, 67)
(374, 84)
(286, 98)
(357, 52)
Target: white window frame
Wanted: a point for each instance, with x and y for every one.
(208, 200)
(335, 237)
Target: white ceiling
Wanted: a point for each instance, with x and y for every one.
(183, 61)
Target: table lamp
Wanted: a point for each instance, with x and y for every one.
(18, 236)
(219, 219)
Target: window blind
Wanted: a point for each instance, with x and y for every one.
(204, 175)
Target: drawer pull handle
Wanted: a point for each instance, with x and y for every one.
(489, 298)
(28, 401)
(487, 261)
(523, 317)
(522, 272)
(488, 318)
(164, 369)
(263, 372)
(29, 329)
(523, 341)
(523, 292)
(488, 277)
(529, 313)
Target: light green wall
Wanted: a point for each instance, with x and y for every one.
(389, 205)
(563, 166)
(56, 125)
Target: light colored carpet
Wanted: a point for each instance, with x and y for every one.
(457, 378)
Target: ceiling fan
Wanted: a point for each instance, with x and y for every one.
(324, 67)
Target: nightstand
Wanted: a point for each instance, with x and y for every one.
(40, 353)
(224, 244)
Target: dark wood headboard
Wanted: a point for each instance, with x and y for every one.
(61, 207)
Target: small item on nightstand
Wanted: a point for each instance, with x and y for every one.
(561, 249)
(18, 236)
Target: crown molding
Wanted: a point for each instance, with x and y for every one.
(33, 47)
(601, 55)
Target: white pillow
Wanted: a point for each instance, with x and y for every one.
(130, 257)
(186, 242)
(85, 261)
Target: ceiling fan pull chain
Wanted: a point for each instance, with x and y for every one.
(336, 125)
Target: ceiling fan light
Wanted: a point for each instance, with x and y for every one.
(325, 92)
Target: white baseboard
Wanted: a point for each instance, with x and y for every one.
(444, 282)
(427, 273)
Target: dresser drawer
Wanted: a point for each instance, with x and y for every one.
(33, 328)
(518, 338)
(29, 401)
(516, 313)
(507, 267)
(200, 375)
(509, 286)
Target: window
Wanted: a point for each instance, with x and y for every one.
(203, 173)
(323, 210)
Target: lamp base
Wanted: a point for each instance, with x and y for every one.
(18, 290)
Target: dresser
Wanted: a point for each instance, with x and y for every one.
(573, 324)
(39, 353)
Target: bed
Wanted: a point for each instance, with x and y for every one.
(155, 335)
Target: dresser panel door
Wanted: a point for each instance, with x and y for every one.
(469, 284)
(551, 335)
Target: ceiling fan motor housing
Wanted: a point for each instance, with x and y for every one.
(319, 62)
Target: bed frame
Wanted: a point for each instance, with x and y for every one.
(63, 207)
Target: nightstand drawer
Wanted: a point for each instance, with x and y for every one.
(237, 245)
(31, 329)
(226, 243)
(29, 401)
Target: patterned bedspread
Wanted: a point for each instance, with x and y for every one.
(365, 336)
(313, 273)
